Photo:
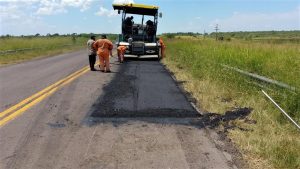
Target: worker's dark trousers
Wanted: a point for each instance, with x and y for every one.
(92, 60)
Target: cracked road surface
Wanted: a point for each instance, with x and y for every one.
(135, 117)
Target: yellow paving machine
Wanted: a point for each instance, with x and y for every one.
(139, 28)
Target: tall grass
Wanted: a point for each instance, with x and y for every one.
(45, 46)
(272, 142)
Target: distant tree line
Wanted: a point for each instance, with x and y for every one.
(260, 34)
(172, 35)
(87, 35)
(248, 35)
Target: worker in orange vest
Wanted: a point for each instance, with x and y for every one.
(121, 52)
(104, 49)
(163, 47)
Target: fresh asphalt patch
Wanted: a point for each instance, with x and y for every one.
(144, 91)
(142, 88)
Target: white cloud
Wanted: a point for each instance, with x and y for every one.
(86, 5)
(19, 21)
(47, 7)
(105, 12)
(240, 21)
(123, 1)
(9, 12)
(50, 7)
(110, 13)
(26, 16)
(83, 4)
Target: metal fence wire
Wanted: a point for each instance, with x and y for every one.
(5, 52)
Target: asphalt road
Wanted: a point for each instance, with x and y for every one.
(134, 117)
(20, 81)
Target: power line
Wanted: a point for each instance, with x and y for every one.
(216, 29)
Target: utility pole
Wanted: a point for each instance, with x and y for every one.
(217, 28)
(204, 34)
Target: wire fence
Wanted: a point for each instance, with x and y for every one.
(5, 52)
(261, 78)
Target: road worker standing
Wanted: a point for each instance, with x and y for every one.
(92, 52)
(163, 47)
(104, 49)
(121, 52)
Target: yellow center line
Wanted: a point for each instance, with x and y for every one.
(18, 109)
(38, 97)
(27, 100)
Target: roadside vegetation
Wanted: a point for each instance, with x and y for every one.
(23, 48)
(263, 36)
(266, 138)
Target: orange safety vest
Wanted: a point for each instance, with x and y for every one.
(122, 49)
(103, 46)
(162, 44)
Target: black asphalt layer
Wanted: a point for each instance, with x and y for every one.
(19, 81)
(143, 88)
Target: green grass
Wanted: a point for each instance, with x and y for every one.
(47, 46)
(273, 142)
(12, 43)
(262, 35)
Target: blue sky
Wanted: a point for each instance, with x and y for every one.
(23, 17)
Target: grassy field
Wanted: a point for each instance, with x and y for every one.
(44, 47)
(266, 36)
(266, 138)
